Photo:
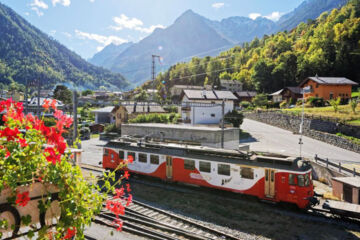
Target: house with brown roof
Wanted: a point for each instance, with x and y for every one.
(287, 94)
(245, 95)
(328, 87)
(129, 110)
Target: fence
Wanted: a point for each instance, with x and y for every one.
(338, 166)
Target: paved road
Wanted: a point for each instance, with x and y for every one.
(93, 150)
(277, 140)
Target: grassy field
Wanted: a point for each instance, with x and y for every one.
(344, 113)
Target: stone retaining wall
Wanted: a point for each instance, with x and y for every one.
(311, 128)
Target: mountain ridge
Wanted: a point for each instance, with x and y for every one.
(26, 53)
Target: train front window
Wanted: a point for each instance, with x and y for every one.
(143, 157)
(292, 179)
(224, 169)
(301, 180)
(307, 180)
(189, 164)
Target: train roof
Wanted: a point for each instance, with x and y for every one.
(210, 154)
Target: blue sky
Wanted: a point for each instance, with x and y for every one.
(86, 26)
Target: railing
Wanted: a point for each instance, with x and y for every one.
(337, 166)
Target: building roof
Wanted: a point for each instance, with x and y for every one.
(222, 81)
(103, 110)
(145, 109)
(277, 93)
(188, 87)
(296, 90)
(353, 181)
(199, 94)
(225, 95)
(330, 81)
(246, 94)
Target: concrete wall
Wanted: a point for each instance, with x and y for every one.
(206, 136)
(324, 174)
(337, 189)
(314, 128)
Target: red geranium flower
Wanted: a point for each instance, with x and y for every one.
(119, 192)
(128, 189)
(51, 156)
(126, 175)
(129, 200)
(70, 233)
(22, 199)
(46, 104)
(130, 159)
(9, 133)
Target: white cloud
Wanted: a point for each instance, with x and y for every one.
(274, 16)
(125, 22)
(38, 12)
(104, 40)
(92, 1)
(99, 48)
(132, 23)
(65, 3)
(66, 34)
(39, 4)
(254, 16)
(218, 5)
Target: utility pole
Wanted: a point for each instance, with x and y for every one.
(75, 115)
(26, 96)
(222, 122)
(38, 98)
(153, 73)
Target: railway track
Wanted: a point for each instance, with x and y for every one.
(153, 223)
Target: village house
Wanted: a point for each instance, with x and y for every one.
(328, 87)
(205, 107)
(245, 95)
(231, 85)
(287, 94)
(123, 113)
(104, 115)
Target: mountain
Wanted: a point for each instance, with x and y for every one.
(194, 35)
(309, 9)
(106, 57)
(328, 46)
(26, 53)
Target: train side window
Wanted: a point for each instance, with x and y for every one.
(301, 180)
(106, 152)
(189, 164)
(131, 154)
(292, 179)
(247, 173)
(143, 157)
(205, 167)
(154, 159)
(224, 169)
(121, 154)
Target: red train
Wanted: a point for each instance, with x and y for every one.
(269, 178)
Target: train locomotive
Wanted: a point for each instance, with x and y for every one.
(269, 178)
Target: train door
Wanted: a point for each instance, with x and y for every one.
(169, 168)
(270, 183)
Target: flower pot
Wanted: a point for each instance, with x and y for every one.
(14, 212)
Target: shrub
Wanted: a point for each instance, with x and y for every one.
(245, 104)
(283, 104)
(234, 117)
(112, 128)
(316, 101)
(353, 104)
(260, 100)
(171, 109)
(156, 118)
(335, 103)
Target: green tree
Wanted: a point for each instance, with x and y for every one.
(87, 92)
(141, 96)
(234, 117)
(63, 94)
(335, 103)
(353, 104)
(260, 100)
(225, 75)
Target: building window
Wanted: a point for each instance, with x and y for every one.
(154, 159)
(121, 154)
(317, 95)
(189, 164)
(224, 169)
(247, 173)
(292, 179)
(213, 115)
(205, 167)
(143, 157)
(331, 96)
(131, 154)
(317, 85)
